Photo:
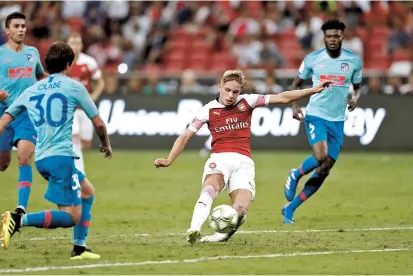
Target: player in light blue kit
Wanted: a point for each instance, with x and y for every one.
(51, 104)
(20, 68)
(325, 112)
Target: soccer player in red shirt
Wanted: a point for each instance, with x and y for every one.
(230, 165)
(85, 70)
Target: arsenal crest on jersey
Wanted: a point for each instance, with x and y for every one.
(241, 107)
(30, 58)
(345, 67)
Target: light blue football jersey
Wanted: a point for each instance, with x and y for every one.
(331, 103)
(51, 104)
(18, 71)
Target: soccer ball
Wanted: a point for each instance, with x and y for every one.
(223, 219)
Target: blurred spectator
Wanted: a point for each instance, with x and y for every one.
(135, 85)
(271, 56)
(309, 31)
(393, 86)
(116, 9)
(247, 51)
(352, 42)
(373, 86)
(244, 24)
(111, 83)
(136, 30)
(73, 8)
(353, 12)
(269, 86)
(154, 44)
(189, 84)
(153, 86)
(399, 38)
(408, 87)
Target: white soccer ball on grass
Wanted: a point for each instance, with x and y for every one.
(223, 219)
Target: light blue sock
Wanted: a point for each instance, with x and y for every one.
(81, 229)
(25, 185)
(309, 164)
(48, 219)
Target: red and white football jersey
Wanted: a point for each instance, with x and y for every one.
(230, 126)
(84, 70)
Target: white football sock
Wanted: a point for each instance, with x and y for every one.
(202, 209)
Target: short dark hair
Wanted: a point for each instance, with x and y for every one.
(333, 24)
(14, 15)
(58, 56)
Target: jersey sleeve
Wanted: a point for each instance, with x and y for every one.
(84, 100)
(39, 66)
(18, 106)
(199, 119)
(357, 74)
(94, 69)
(305, 68)
(256, 100)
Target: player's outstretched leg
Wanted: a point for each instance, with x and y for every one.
(25, 151)
(201, 210)
(308, 165)
(49, 219)
(80, 251)
(310, 188)
(241, 199)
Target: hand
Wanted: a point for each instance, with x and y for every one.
(107, 150)
(297, 112)
(161, 162)
(352, 103)
(322, 85)
(3, 95)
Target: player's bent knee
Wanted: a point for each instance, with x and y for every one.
(4, 164)
(76, 213)
(210, 190)
(241, 210)
(87, 188)
(5, 158)
(321, 157)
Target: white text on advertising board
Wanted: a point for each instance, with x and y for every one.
(362, 122)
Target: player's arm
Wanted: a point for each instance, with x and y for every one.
(294, 95)
(5, 120)
(85, 102)
(176, 150)
(183, 139)
(97, 80)
(356, 80)
(98, 85)
(102, 133)
(14, 110)
(304, 73)
(40, 73)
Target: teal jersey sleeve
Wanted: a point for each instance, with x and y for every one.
(18, 106)
(39, 66)
(357, 74)
(84, 100)
(305, 68)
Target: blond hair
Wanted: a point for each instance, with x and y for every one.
(234, 75)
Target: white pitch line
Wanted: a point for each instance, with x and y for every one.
(203, 259)
(239, 232)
